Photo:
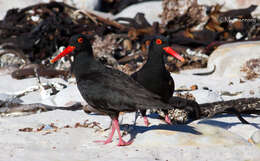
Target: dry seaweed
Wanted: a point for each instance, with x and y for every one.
(251, 69)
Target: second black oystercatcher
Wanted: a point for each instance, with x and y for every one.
(154, 76)
(107, 90)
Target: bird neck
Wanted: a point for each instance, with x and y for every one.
(84, 63)
(155, 59)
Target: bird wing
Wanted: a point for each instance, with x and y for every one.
(113, 89)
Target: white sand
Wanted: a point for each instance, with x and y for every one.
(220, 138)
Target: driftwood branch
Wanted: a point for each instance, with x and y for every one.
(242, 105)
(192, 110)
(49, 73)
(106, 21)
(32, 108)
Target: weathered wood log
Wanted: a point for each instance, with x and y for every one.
(43, 72)
(239, 12)
(242, 105)
(191, 110)
(32, 108)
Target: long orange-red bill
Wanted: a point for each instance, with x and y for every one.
(169, 50)
(66, 51)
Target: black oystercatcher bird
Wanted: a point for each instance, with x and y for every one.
(154, 76)
(107, 90)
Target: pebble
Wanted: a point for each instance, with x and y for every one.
(194, 87)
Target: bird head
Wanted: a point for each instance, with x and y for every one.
(159, 43)
(77, 43)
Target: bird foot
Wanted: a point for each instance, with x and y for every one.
(146, 121)
(123, 143)
(168, 120)
(103, 141)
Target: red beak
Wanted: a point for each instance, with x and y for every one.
(169, 50)
(65, 52)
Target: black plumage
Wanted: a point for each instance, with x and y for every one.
(154, 76)
(107, 90)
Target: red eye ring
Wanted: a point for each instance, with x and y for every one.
(158, 41)
(80, 40)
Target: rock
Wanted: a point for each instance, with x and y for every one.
(230, 58)
(32, 97)
(152, 10)
(9, 98)
(68, 96)
(30, 87)
(197, 135)
(9, 59)
(233, 4)
(236, 128)
(12, 86)
(206, 96)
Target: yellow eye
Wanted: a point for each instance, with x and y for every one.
(80, 40)
(158, 41)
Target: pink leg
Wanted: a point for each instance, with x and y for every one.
(121, 141)
(109, 140)
(146, 122)
(167, 120)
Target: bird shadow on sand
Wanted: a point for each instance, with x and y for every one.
(176, 128)
(225, 123)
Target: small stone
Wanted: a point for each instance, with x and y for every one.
(194, 87)
(35, 18)
(27, 129)
(127, 44)
(205, 88)
(231, 83)
(251, 92)
(241, 81)
(239, 36)
(230, 58)
(170, 58)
